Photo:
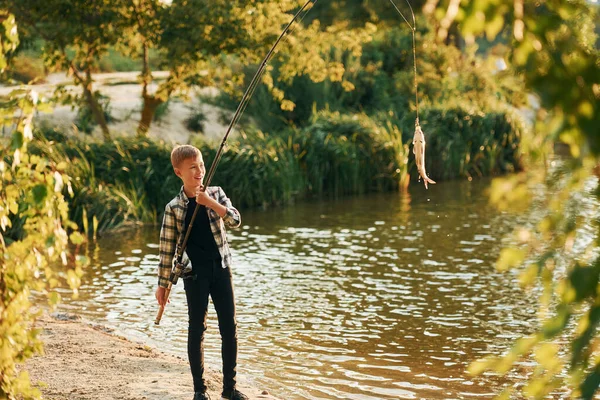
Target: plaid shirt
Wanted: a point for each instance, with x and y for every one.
(172, 231)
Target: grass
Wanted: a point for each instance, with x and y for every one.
(334, 143)
(123, 181)
(131, 179)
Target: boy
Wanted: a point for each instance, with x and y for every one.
(210, 272)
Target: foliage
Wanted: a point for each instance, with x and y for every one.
(339, 154)
(378, 75)
(343, 154)
(463, 143)
(84, 120)
(258, 170)
(116, 61)
(161, 111)
(26, 69)
(123, 181)
(74, 43)
(553, 50)
(335, 155)
(118, 182)
(9, 38)
(36, 237)
(195, 122)
(193, 39)
(358, 12)
(130, 180)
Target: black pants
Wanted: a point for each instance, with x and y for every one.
(210, 278)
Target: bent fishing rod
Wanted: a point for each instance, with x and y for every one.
(299, 16)
(179, 265)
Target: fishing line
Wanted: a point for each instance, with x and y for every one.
(254, 83)
(300, 15)
(413, 29)
(419, 136)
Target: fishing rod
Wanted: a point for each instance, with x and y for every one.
(179, 265)
(419, 145)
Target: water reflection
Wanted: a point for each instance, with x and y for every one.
(379, 297)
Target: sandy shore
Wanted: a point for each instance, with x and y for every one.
(87, 362)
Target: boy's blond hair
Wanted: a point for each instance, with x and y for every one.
(183, 152)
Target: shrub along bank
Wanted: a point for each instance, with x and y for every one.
(131, 179)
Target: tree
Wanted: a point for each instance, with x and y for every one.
(76, 33)
(553, 49)
(35, 234)
(198, 40)
(9, 39)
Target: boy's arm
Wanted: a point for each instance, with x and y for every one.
(232, 217)
(168, 241)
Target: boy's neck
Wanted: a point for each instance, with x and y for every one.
(189, 192)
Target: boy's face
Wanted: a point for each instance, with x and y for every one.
(191, 171)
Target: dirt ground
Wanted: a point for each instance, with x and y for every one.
(87, 362)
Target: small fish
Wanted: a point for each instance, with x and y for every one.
(419, 151)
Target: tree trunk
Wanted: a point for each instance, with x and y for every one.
(97, 111)
(86, 84)
(151, 103)
(90, 98)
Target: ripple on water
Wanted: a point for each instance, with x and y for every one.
(368, 303)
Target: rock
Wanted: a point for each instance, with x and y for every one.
(66, 317)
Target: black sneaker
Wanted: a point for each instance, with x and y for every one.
(234, 395)
(201, 396)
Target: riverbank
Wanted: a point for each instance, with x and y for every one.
(83, 361)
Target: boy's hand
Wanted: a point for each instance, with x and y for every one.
(203, 198)
(160, 296)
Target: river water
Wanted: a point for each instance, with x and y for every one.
(384, 296)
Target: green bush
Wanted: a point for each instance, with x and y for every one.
(84, 120)
(115, 61)
(344, 154)
(257, 170)
(126, 180)
(38, 242)
(131, 179)
(161, 111)
(468, 144)
(195, 122)
(383, 79)
(26, 69)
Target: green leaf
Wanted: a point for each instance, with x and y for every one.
(493, 27)
(586, 330)
(556, 324)
(77, 238)
(528, 275)
(44, 107)
(53, 298)
(40, 192)
(547, 355)
(591, 384)
(17, 140)
(584, 281)
(510, 258)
